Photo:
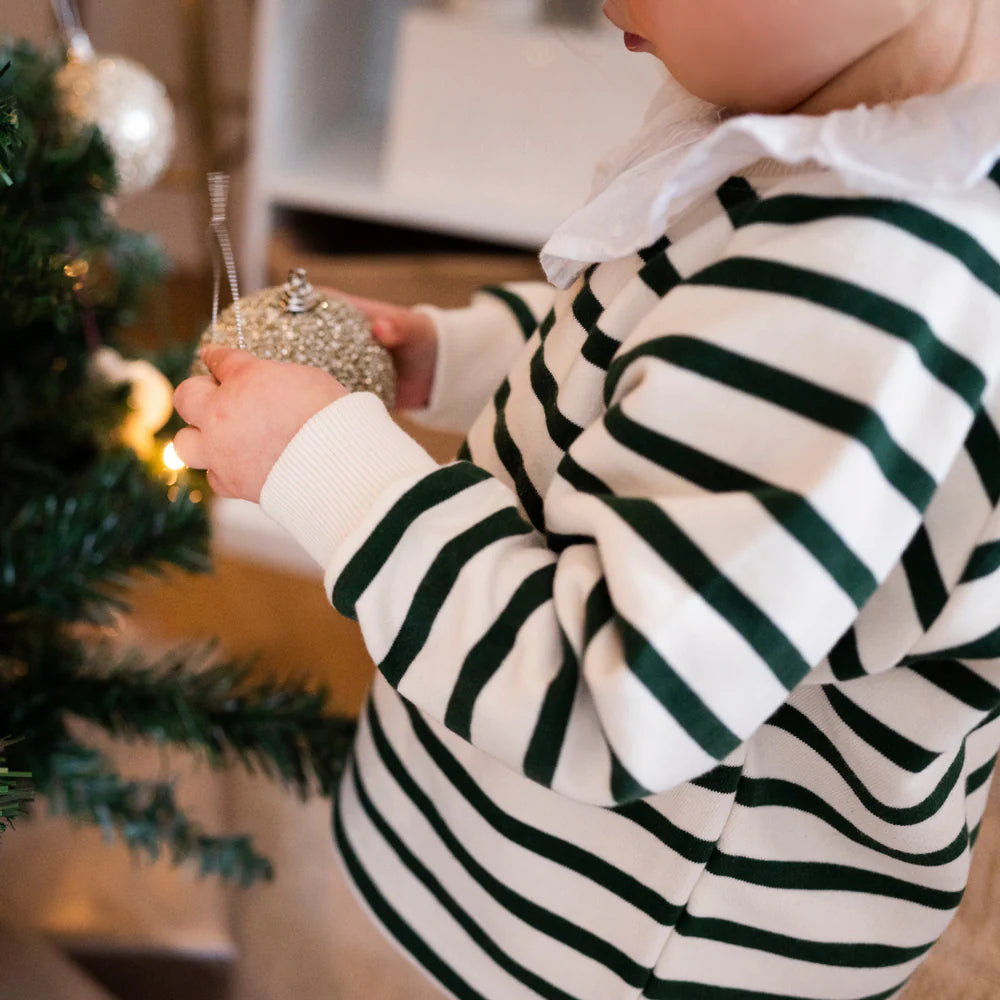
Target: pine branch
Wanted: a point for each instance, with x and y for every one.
(64, 555)
(16, 790)
(281, 729)
(9, 137)
(144, 815)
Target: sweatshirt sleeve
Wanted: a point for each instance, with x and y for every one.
(476, 347)
(771, 435)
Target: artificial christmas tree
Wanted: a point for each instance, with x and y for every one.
(80, 512)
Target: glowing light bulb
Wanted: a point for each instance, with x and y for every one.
(171, 459)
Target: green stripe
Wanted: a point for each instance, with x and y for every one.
(599, 349)
(542, 920)
(545, 327)
(437, 584)
(985, 560)
(674, 694)
(904, 753)
(659, 274)
(793, 722)
(822, 406)
(974, 835)
(513, 461)
(396, 925)
(524, 316)
(679, 552)
(924, 578)
(738, 198)
(624, 787)
(464, 453)
(811, 876)
(424, 875)
(791, 510)
(983, 448)
(986, 647)
(675, 989)
(654, 249)
(987, 720)
(723, 779)
(980, 776)
(597, 611)
(678, 840)
(956, 242)
(559, 543)
(486, 656)
(757, 793)
(586, 307)
(561, 852)
(959, 681)
(582, 480)
(366, 563)
(561, 429)
(844, 659)
(845, 955)
(949, 367)
(542, 756)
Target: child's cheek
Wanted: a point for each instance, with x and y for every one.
(764, 55)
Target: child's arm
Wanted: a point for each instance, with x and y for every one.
(773, 434)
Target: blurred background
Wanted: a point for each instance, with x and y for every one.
(399, 150)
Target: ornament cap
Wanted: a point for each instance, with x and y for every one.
(297, 294)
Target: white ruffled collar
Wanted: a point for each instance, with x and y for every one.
(684, 151)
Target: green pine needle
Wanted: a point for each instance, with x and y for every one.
(145, 816)
(16, 790)
(280, 729)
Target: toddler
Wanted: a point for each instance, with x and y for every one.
(689, 666)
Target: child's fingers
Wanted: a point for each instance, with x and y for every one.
(217, 486)
(189, 444)
(370, 307)
(191, 398)
(387, 333)
(225, 362)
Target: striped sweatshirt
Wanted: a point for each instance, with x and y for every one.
(689, 665)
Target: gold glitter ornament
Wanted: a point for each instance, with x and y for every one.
(298, 324)
(127, 103)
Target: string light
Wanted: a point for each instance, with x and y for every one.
(171, 459)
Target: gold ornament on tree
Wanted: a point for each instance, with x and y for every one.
(296, 323)
(126, 102)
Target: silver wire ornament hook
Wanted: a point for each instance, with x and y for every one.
(67, 15)
(218, 192)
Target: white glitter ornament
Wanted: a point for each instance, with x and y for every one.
(127, 103)
(294, 323)
(298, 324)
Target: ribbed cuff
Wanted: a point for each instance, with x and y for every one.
(335, 469)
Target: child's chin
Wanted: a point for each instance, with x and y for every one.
(675, 103)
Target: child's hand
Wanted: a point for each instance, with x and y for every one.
(411, 339)
(242, 418)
